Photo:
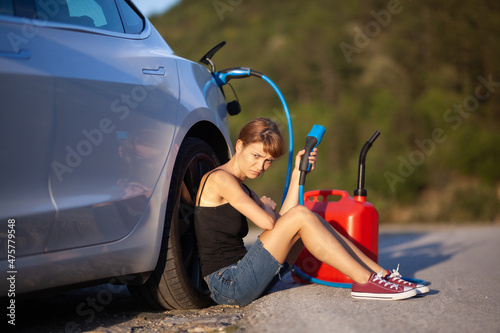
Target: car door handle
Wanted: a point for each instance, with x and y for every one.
(22, 54)
(160, 71)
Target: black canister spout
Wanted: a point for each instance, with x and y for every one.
(361, 191)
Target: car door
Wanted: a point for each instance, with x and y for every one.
(116, 105)
(26, 132)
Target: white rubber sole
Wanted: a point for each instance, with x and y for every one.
(422, 290)
(384, 297)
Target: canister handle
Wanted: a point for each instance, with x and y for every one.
(315, 194)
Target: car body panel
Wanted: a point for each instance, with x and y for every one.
(26, 137)
(114, 125)
(91, 128)
(206, 102)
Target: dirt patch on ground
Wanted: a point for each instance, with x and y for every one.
(219, 318)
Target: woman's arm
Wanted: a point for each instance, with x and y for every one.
(260, 212)
(269, 206)
(292, 197)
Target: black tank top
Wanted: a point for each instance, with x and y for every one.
(219, 231)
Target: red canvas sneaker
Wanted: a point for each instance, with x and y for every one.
(379, 288)
(395, 277)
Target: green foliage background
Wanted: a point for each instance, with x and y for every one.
(410, 69)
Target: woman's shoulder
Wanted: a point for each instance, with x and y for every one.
(216, 186)
(220, 176)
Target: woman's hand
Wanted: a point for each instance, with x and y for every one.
(269, 202)
(312, 158)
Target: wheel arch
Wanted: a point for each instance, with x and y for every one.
(211, 134)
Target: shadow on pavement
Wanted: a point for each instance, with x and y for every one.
(412, 252)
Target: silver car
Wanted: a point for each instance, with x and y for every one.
(104, 136)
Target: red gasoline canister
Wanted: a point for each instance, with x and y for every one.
(354, 218)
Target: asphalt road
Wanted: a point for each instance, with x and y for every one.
(461, 262)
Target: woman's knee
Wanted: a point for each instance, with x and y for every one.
(302, 210)
(300, 214)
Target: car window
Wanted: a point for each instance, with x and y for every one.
(6, 7)
(88, 13)
(132, 21)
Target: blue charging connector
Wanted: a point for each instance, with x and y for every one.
(222, 77)
(313, 139)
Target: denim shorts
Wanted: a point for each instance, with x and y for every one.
(248, 279)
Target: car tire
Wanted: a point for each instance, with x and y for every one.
(176, 282)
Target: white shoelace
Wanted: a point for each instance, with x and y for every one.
(380, 280)
(398, 277)
(395, 273)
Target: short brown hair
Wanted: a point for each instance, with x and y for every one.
(266, 131)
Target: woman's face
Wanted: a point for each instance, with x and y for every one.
(252, 160)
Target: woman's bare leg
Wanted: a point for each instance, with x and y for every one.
(301, 223)
(353, 250)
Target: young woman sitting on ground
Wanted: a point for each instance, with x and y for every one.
(237, 277)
